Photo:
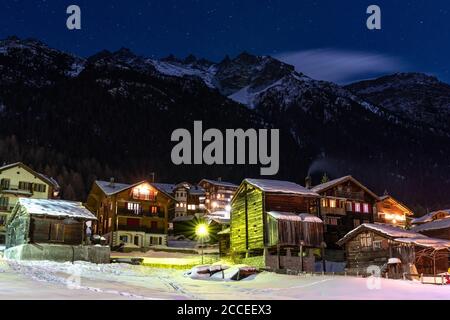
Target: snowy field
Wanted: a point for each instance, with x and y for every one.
(51, 280)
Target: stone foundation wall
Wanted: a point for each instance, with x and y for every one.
(290, 262)
(62, 253)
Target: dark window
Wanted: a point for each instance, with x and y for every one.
(39, 187)
(25, 186)
(2, 220)
(5, 183)
(4, 201)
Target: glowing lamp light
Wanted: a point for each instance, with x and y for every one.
(214, 204)
(201, 230)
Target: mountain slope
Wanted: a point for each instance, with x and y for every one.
(416, 97)
(112, 114)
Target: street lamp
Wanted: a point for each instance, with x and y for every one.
(201, 230)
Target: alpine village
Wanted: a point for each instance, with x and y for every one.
(337, 225)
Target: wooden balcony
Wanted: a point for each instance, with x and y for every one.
(350, 195)
(329, 210)
(139, 213)
(141, 229)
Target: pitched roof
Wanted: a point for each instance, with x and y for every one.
(433, 225)
(389, 197)
(184, 218)
(384, 229)
(165, 187)
(218, 219)
(429, 217)
(219, 183)
(56, 208)
(278, 186)
(42, 176)
(437, 244)
(329, 184)
(111, 189)
(197, 190)
(291, 216)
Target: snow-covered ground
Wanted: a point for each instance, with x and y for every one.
(51, 280)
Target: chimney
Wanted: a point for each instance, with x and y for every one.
(219, 179)
(308, 182)
(111, 182)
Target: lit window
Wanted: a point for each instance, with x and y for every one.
(332, 203)
(366, 208)
(142, 193)
(135, 207)
(357, 207)
(324, 203)
(349, 207)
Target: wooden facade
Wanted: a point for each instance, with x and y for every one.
(135, 215)
(190, 199)
(63, 223)
(252, 230)
(382, 246)
(392, 211)
(218, 194)
(344, 205)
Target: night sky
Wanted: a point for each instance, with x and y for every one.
(325, 39)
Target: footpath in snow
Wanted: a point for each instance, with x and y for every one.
(52, 280)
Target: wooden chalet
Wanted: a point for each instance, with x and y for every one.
(393, 212)
(18, 180)
(190, 199)
(345, 203)
(218, 194)
(135, 216)
(436, 228)
(432, 216)
(275, 218)
(394, 250)
(41, 229)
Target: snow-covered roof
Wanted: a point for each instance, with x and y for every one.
(197, 190)
(385, 229)
(184, 218)
(394, 261)
(109, 188)
(433, 225)
(220, 213)
(278, 186)
(218, 219)
(225, 231)
(56, 208)
(426, 242)
(291, 216)
(42, 176)
(219, 183)
(164, 187)
(325, 186)
(429, 217)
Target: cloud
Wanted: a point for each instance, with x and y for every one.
(341, 66)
